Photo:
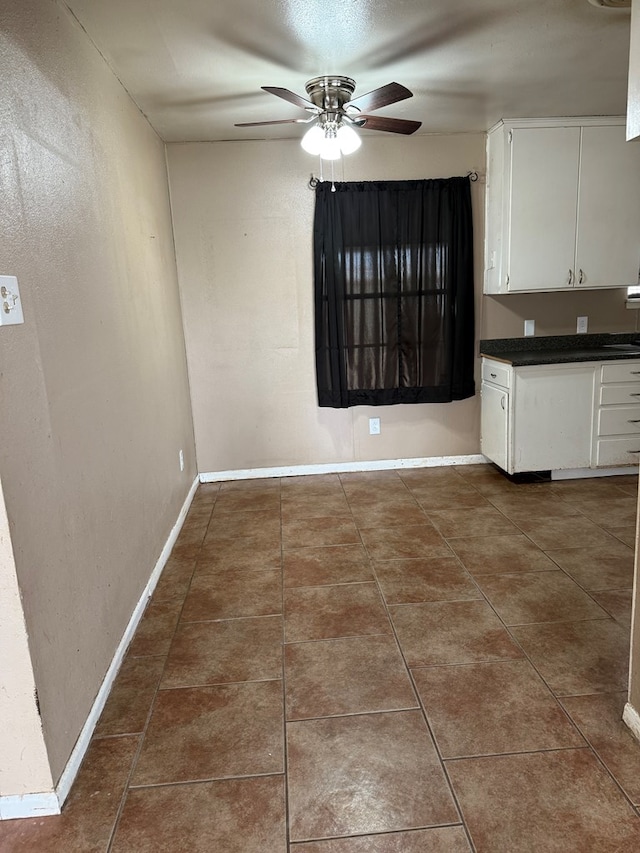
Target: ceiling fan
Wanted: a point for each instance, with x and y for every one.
(335, 114)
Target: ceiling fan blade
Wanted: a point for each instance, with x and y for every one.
(389, 94)
(391, 125)
(290, 96)
(277, 121)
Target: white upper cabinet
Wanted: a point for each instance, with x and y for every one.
(563, 206)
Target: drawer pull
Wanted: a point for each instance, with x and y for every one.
(633, 451)
(634, 395)
(634, 421)
(493, 375)
(634, 372)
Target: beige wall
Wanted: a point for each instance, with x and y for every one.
(94, 401)
(556, 313)
(243, 218)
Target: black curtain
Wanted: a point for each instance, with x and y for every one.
(394, 318)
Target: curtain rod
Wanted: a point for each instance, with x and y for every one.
(313, 181)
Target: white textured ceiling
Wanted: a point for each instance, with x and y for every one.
(194, 67)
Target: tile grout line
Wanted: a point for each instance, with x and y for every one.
(128, 786)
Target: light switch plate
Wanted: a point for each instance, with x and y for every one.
(529, 328)
(582, 325)
(10, 302)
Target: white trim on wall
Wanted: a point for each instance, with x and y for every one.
(50, 803)
(29, 805)
(341, 467)
(631, 717)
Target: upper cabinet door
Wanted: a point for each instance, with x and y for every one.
(608, 234)
(543, 199)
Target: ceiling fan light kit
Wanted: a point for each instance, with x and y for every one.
(336, 114)
(330, 140)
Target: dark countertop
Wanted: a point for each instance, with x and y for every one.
(562, 349)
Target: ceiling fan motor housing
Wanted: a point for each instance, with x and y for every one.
(330, 93)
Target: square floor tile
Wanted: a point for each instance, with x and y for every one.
(89, 814)
(332, 564)
(618, 603)
(556, 802)
(370, 773)
(198, 733)
(311, 484)
(382, 515)
(613, 512)
(519, 507)
(156, 628)
(471, 521)
(490, 555)
(448, 632)
(453, 496)
(174, 580)
(312, 532)
(307, 505)
(249, 500)
(449, 839)
(578, 657)
(327, 612)
(250, 553)
(226, 651)
(233, 816)
(129, 702)
(233, 594)
(401, 543)
(348, 676)
(436, 579)
(572, 532)
(489, 708)
(597, 568)
(627, 535)
(528, 597)
(238, 525)
(599, 718)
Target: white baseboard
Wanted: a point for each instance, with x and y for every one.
(37, 805)
(631, 717)
(579, 473)
(29, 805)
(341, 468)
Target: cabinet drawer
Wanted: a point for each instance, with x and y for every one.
(617, 451)
(623, 420)
(621, 371)
(612, 395)
(497, 374)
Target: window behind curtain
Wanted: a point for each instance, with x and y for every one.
(394, 292)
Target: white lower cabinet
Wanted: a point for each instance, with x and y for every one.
(560, 416)
(617, 425)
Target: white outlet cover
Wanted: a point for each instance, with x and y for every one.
(10, 302)
(374, 426)
(529, 328)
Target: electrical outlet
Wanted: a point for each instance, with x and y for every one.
(374, 426)
(582, 325)
(529, 328)
(181, 457)
(10, 302)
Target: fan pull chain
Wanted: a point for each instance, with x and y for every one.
(333, 184)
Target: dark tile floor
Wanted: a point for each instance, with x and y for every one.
(393, 662)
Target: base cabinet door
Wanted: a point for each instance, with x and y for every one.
(553, 417)
(494, 427)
